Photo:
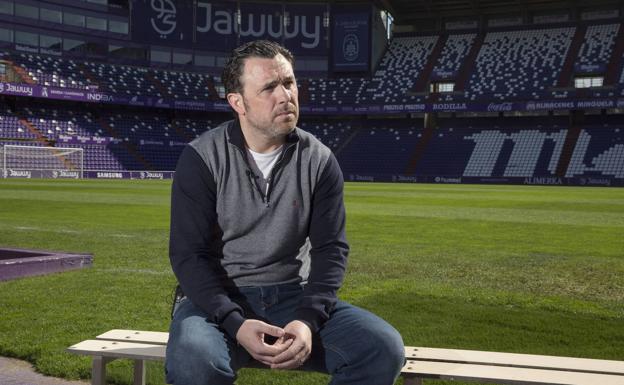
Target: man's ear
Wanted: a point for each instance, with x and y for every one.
(236, 102)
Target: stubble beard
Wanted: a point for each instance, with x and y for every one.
(273, 130)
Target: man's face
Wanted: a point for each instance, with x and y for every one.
(269, 96)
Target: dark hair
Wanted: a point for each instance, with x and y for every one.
(231, 76)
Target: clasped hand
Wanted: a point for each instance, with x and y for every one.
(290, 351)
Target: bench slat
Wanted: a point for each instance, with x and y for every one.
(516, 360)
(422, 362)
(157, 338)
(132, 350)
(504, 375)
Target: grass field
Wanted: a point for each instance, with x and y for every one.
(507, 268)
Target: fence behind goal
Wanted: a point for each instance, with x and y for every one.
(41, 162)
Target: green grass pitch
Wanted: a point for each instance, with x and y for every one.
(507, 268)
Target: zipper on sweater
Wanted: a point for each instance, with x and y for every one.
(251, 177)
(253, 184)
(273, 171)
(270, 187)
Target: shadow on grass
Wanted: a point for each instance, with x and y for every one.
(455, 323)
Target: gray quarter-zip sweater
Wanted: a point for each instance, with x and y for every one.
(226, 232)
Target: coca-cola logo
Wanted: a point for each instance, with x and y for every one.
(498, 107)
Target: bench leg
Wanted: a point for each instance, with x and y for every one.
(139, 372)
(98, 370)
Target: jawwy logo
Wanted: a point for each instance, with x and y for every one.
(350, 47)
(166, 16)
(1, 87)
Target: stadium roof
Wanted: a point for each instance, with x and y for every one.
(418, 11)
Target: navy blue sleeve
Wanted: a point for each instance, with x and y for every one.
(193, 220)
(329, 248)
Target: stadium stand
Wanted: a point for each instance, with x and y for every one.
(338, 91)
(188, 85)
(51, 71)
(334, 134)
(99, 157)
(526, 64)
(461, 147)
(523, 64)
(381, 147)
(114, 78)
(519, 64)
(394, 78)
(398, 70)
(598, 45)
(526, 147)
(454, 53)
(52, 123)
(10, 128)
(190, 127)
(119, 79)
(599, 150)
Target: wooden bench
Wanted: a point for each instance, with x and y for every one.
(422, 363)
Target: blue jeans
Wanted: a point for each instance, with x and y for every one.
(354, 346)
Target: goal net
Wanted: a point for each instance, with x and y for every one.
(41, 162)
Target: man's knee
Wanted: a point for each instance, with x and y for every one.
(191, 362)
(197, 354)
(377, 358)
(383, 343)
(373, 340)
(391, 349)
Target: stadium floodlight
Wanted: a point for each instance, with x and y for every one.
(42, 162)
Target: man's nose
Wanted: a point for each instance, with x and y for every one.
(285, 94)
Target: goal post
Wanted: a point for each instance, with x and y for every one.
(42, 162)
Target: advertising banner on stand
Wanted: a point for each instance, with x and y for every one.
(107, 174)
(216, 26)
(306, 32)
(351, 41)
(83, 95)
(219, 27)
(163, 22)
(261, 21)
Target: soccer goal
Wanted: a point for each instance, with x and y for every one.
(42, 162)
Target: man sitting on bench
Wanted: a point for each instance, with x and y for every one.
(258, 244)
